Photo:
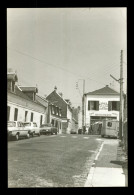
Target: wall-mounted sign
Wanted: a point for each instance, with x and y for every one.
(103, 106)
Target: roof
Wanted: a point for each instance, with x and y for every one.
(29, 89)
(41, 100)
(104, 91)
(12, 76)
(20, 93)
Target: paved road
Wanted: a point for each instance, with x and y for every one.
(51, 161)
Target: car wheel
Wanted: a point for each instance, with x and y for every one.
(17, 137)
(39, 134)
(28, 136)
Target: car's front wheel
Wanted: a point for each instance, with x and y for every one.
(28, 136)
(39, 134)
(17, 137)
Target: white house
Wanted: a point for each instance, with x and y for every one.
(23, 104)
(100, 104)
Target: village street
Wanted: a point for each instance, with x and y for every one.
(51, 161)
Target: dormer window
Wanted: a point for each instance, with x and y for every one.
(11, 78)
(30, 92)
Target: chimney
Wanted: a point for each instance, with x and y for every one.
(55, 88)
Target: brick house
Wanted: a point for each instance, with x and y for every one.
(66, 110)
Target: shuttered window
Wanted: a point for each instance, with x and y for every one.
(113, 105)
(15, 114)
(93, 105)
(8, 113)
(31, 117)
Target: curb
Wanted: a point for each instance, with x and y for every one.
(88, 182)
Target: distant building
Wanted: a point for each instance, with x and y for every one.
(23, 103)
(100, 104)
(66, 110)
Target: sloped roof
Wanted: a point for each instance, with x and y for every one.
(41, 100)
(20, 93)
(27, 89)
(104, 91)
(12, 76)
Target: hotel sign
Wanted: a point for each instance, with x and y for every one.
(103, 106)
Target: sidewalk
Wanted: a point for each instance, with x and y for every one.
(110, 166)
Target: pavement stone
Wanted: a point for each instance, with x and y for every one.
(110, 169)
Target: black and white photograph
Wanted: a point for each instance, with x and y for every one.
(67, 97)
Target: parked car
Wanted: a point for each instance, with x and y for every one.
(16, 130)
(48, 129)
(33, 128)
(73, 131)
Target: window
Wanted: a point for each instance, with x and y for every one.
(31, 116)
(11, 124)
(109, 124)
(27, 124)
(13, 86)
(93, 105)
(34, 125)
(113, 105)
(41, 120)
(8, 113)
(26, 115)
(15, 114)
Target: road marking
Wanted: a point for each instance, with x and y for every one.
(85, 137)
(99, 139)
(99, 151)
(88, 182)
(63, 136)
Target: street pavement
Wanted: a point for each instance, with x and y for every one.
(107, 169)
(51, 161)
(65, 161)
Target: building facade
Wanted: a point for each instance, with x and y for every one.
(22, 104)
(65, 109)
(101, 104)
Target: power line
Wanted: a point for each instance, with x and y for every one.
(43, 61)
(50, 64)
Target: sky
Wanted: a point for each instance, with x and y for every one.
(50, 47)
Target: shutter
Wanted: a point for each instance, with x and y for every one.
(109, 106)
(97, 105)
(88, 105)
(118, 106)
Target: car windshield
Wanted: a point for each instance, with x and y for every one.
(11, 124)
(46, 125)
(34, 125)
(27, 124)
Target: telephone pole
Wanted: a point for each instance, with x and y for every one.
(83, 103)
(121, 97)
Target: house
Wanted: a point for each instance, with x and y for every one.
(23, 103)
(101, 104)
(65, 109)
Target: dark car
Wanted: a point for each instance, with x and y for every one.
(73, 131)
(48, 129)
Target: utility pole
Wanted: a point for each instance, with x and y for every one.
(83, 103)
(121, 97)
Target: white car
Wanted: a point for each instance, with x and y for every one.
(16, 130)
(33, 128)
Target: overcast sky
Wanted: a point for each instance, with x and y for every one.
(59, 46)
